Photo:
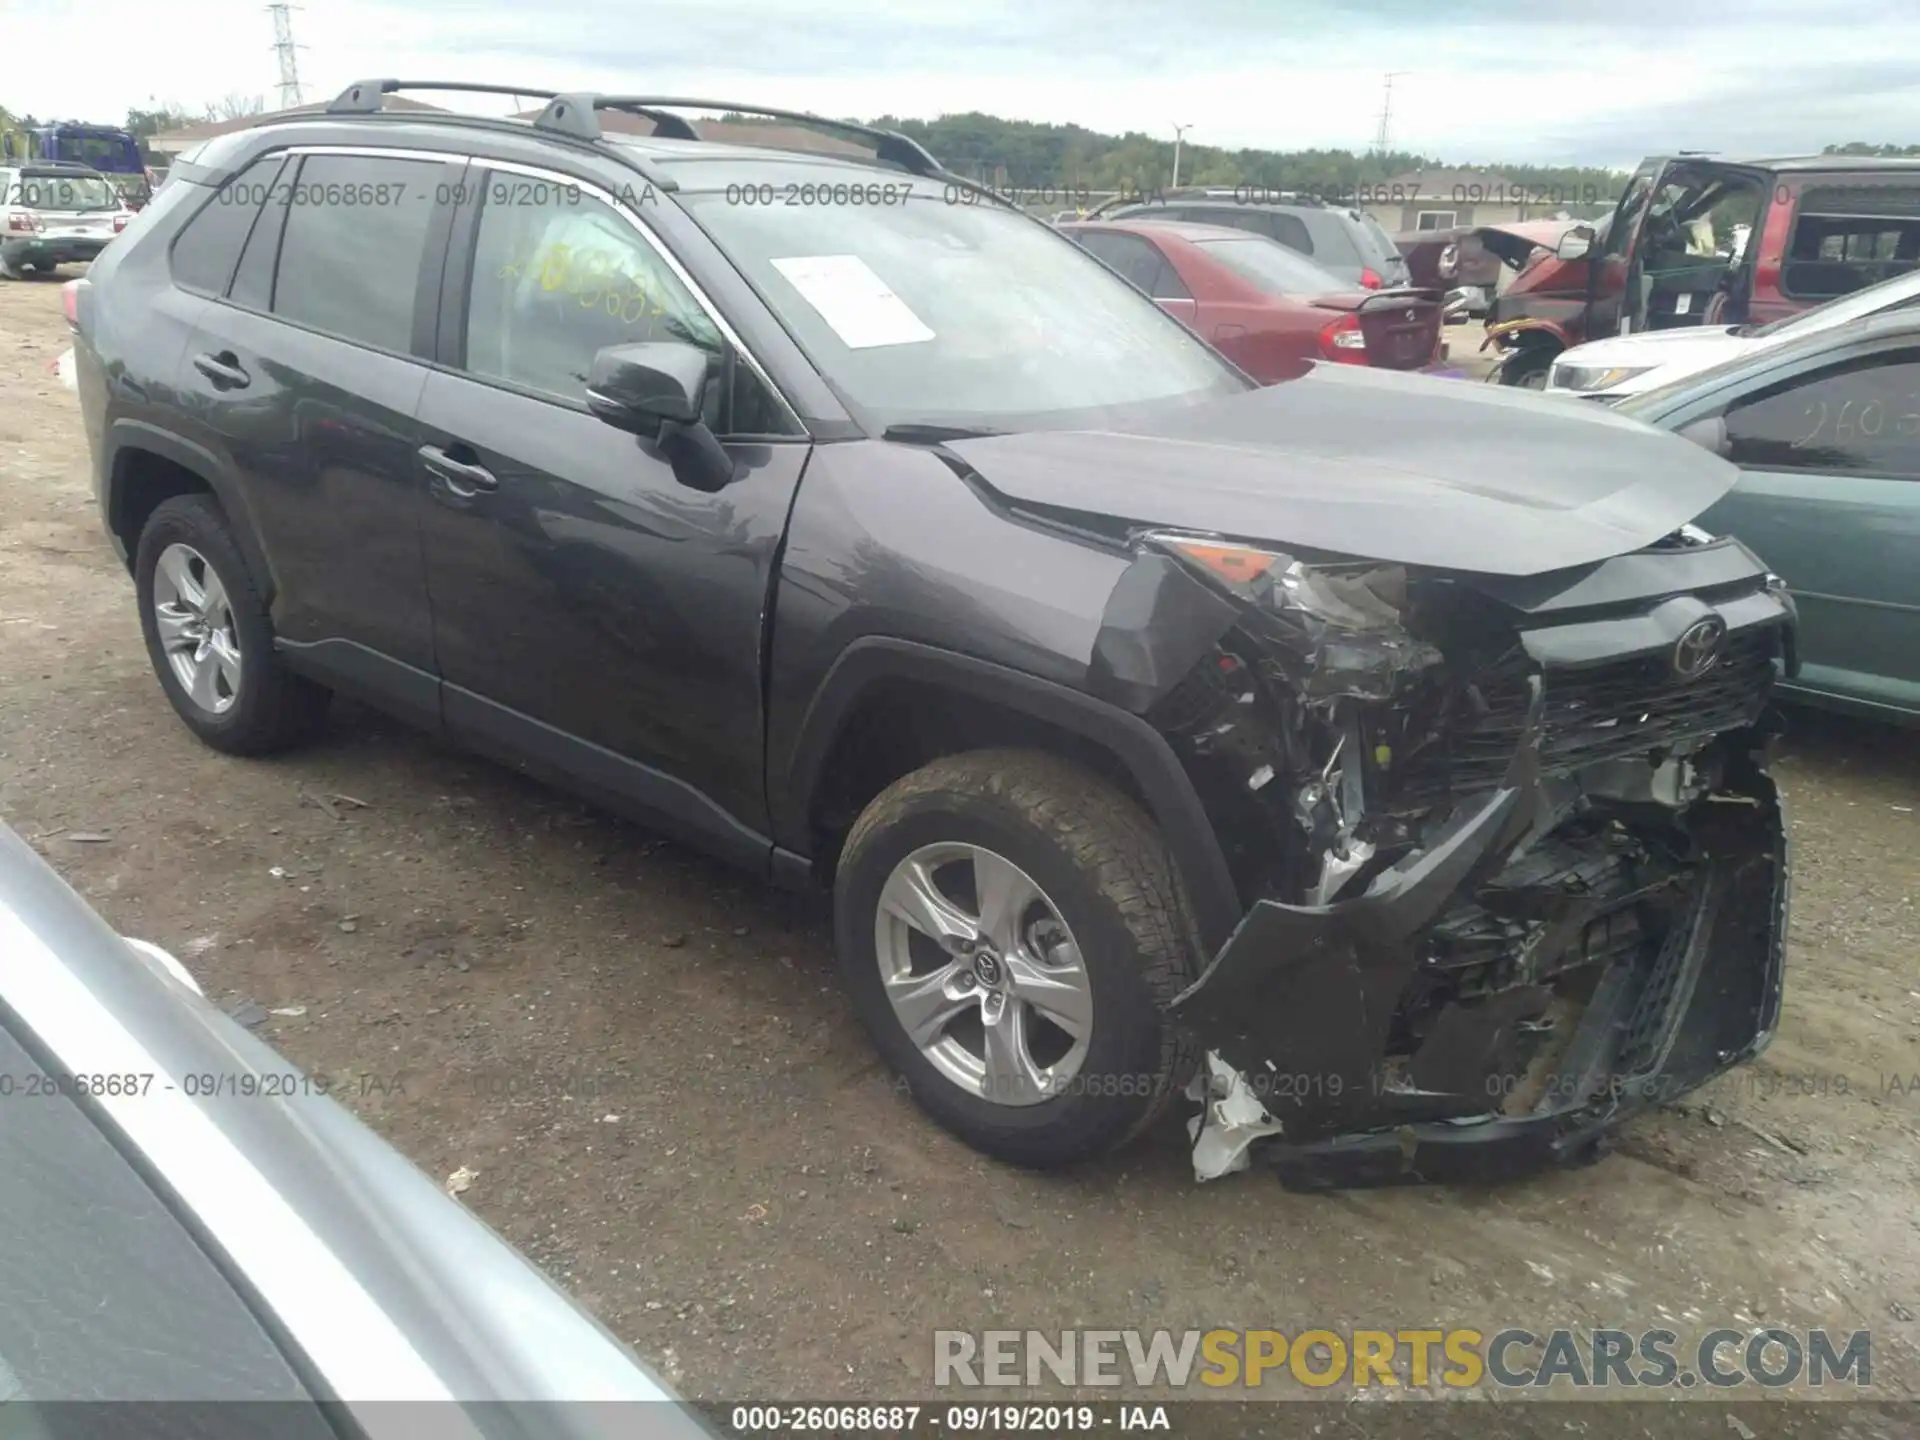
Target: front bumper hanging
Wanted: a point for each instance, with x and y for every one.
(1299, 1007)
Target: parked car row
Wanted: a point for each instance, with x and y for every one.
(1697, 241)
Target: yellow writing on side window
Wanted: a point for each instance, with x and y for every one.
(591, 278)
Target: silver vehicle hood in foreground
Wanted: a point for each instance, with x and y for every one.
(386, 1288)
(1408, 469)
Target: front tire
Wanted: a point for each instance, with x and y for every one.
(209, 636)
(1011, 929)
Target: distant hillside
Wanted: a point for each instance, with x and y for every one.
(1029, 155)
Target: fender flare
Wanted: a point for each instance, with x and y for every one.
(1141, 749)
(126, 435)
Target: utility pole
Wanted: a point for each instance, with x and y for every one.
(287, 51)
(1179, 133)
(1385, 131)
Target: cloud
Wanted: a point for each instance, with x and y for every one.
(1550, 83)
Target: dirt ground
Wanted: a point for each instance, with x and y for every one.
(667, 1103)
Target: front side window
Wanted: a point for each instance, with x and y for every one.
(922, 311)
(356, 230)
(559, 275)
(1860, 417)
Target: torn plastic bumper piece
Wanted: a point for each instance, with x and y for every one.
(1301, 1004)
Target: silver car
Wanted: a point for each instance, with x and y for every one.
(54, 214)
(187, 1221)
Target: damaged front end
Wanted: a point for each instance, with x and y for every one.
(1512, 859)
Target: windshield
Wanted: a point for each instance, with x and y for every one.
(67, 192)
(921, 311)
(1273, 267)
(108, 150)
(1888, 295)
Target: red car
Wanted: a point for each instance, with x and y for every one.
(1270, 310)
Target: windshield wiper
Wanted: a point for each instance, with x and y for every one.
(935, 434)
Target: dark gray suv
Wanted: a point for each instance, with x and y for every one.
(1388, 748)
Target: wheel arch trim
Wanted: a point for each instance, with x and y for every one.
(1140, 749)
(127, 436)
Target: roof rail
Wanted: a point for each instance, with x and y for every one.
(363, 97)
(566, 112)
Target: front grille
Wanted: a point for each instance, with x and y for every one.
(1602, 712)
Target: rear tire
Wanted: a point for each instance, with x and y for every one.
(209, 636)
(1104, 915)
(7, 271)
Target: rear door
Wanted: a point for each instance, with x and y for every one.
(592, 614)
(306, 376)
(1829, 497)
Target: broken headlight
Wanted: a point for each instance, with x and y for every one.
(1339, 624)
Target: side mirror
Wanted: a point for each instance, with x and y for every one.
(659, 390)
(1709, 433)
(1575, 244)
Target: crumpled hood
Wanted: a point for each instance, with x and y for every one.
(1408, 469)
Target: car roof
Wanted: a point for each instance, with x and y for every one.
(1185, 229)
(1793, 164)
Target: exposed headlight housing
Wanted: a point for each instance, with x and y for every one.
(1339, 625)
(1585, 379)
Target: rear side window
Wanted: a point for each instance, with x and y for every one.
(1334, 243)
(208, 246)
(356, 230)
(1847, 237)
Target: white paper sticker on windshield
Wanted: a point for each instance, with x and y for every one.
(853, 300)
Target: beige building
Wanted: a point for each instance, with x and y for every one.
(169, 143)
(1442, 199)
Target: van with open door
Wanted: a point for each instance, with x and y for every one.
(1696, 240)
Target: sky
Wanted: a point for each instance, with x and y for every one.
(1598, 83)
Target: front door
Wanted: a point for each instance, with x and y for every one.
(1829, 497)
(1609, 272)
(592, 614)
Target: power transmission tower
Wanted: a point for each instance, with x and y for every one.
(1385, 131)
(288, 52)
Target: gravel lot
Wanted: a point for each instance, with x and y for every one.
(648, 1064)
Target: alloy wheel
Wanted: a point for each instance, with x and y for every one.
(983, 973)
(194, 620)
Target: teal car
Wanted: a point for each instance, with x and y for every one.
(1826, 432)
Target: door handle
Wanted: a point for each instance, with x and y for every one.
(223, 370)
(462, 477)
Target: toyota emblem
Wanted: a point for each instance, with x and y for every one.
(1698, 649)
